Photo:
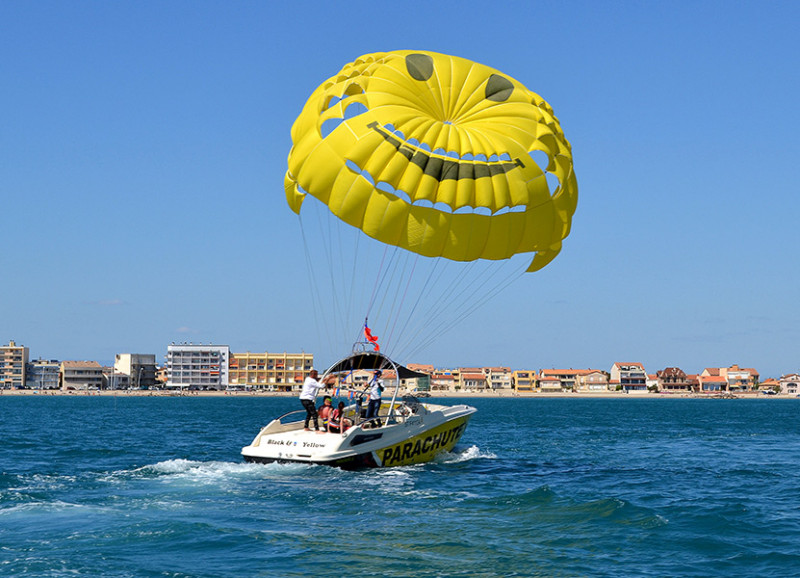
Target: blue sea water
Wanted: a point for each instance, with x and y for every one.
(151, 486)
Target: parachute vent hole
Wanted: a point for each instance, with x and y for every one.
(331, 101)
(453, 154)
(483, 211)
(329, 126)
(356, 169)
(387, 188)
(493, 158)
(465, 210)
(552, 183)
(481, 157)
(443, 207)
(423, 203)
(514, 209)
(541, 159)
(354, 110)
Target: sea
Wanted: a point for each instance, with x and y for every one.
(156, 486)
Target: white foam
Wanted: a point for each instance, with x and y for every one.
(464, 455)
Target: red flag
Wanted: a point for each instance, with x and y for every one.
(371, 338)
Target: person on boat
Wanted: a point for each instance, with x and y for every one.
(308, 394)
(374, 404)
(338, 423)
(325, 410)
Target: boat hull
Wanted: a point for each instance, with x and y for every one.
(417, 439)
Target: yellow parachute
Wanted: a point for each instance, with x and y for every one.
(437, 155)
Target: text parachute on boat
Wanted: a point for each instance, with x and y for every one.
(434, 155)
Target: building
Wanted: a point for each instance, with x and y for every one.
(790, 384)
(197, 366)
(471, 379)
(741, 378)
(114, 379)
(140, 369)
(591, 381)
(269, 371)
(736, 378)
(523, 380)
(442, 380)
(81, 375)
(419, 383)
(550, 381)
(630, 377)
(13, 359)
(498, 377)
(42, 374)
(711, 381)
(566, 379)
(674, 380)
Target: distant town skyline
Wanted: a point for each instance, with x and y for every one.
(144, 149)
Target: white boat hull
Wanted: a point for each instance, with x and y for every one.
(412, 435)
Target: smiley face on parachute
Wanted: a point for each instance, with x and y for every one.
(436, 154)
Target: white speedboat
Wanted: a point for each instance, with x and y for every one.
(405, 432)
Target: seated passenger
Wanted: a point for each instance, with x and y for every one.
(337, 422)
(325, 411)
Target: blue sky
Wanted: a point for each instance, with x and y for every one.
(143, 147)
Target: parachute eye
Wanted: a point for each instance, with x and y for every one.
(498, 88)
(420, 66)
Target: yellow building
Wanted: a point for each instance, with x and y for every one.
(269, 371)
(524, 380)
(13, 358)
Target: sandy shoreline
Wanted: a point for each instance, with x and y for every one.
(438, 394)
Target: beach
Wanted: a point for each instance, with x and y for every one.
(500, 394)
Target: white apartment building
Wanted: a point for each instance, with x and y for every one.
(197, 366)
(140, 369)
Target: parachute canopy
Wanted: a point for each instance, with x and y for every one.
(438, 155)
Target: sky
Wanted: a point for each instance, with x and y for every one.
(143, 147)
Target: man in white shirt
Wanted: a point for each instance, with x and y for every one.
(375, 390)
(307, 396)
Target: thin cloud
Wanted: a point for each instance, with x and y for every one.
(108, 302)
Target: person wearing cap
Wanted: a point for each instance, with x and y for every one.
(325, 410)
(375, 389)
(308, 394)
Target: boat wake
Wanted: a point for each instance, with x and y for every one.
(203, 473)
(464, 454)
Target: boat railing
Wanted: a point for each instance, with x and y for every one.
(297, 411)
(389, 414)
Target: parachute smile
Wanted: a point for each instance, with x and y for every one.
(444, 168)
